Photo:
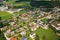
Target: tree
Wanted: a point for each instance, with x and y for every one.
(0, 18)
(2, 36)
(37, 37)
(1, 24)
(43, 37)
(59, 39)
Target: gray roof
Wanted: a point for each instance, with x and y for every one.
(24, 38)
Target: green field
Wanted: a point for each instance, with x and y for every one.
(21, 4)
(50, 35)
(5, 15)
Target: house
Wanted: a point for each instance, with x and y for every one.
(14, 38)
(24, 38)
(11, 23)
(56, 25)
(15, 25)
(32, 35)
(12, 33)
(23, 33)
(8, 32)
(33, 26)
(42, 24)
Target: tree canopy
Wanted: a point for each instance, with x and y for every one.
(2, 36)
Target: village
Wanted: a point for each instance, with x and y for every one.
(30, 21)
(25, 26)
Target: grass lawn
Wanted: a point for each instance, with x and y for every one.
(5, 15)
(50, 35)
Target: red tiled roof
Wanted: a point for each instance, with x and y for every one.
(14, 38)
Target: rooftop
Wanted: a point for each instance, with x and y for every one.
(14, 38)
(56, 23)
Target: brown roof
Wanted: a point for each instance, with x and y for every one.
(55, 23)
